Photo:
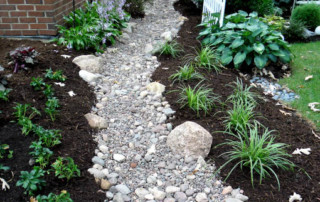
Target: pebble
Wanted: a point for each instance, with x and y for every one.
(201, 197)
(227, 190)
(119, 157)
(123, 189)
(98, 160)
(172, 189)
(105, 184)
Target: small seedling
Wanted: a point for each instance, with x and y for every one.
(64, 196)
(37, 83)
(23, 119)
(185, 73)
(4, 95)
(4, 168)
(49, 138)
(48, 92)
(42, 154)
(57, 75)
(51, 108)
(172, 48)
(3, 150)
(65, 168)
(31, 181)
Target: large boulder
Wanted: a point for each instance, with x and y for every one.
(89, 63)
(190, 139)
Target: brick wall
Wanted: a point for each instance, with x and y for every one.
(33, 17)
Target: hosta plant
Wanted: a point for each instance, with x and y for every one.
(55, 75)
(257, 150)
(246, 39)
(41, 154)
(65, 168)
(32, 181)
(4, 95)
(64, 196)
(22, 57)
(185, 73)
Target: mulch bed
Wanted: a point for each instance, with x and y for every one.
(292, 130)
(77, 141)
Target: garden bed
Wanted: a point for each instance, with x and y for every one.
(290, 129)
(77, 140)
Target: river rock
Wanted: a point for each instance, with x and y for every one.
(96, 121)
(156, 88)
(88, 76)
(89, 63)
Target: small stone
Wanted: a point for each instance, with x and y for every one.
(172, 189)
(105, 184)
(151, 179)
(233, 200)
(133, 165)
(96, 173)
(137, 158)
(109, 195)
(119, 157)
(141, 192)
(148, 49)
(167, 36)
(184, 187)
(113, 175)
(104, 149)
(149, 197)
(113, 181)
(148, 157)
(118, 198)
(96, 121)
(207, 190)
(169, 200)
(97, 166)
(201, 197)
(180, 196)
(123, 189)
(242, 197)
(98, 160)
(156, 88)
(88, 76)
(189, 192)
(191, 177)
(227, 190)
(158, 194)
(168, 111)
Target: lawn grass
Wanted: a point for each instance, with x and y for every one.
(306, 62)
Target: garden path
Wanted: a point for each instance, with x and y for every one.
(132, 153)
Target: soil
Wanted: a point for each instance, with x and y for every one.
(77, 140)
(292, 130)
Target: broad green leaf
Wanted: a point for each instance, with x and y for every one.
(236, 43)
(248, 60)
(243, 13)
(226, 59)
(272, 57)
(205, 32)
(274, 46)
(230, 25)
(259, 48)
(217, 41)
(221, 48)
(253, 14)
(239, 58)
(260, 61)
(256, 33)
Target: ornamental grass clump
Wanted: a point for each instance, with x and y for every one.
(242, 93)
(256, 150)
(172, 48)
(200, 98)
(185, 73)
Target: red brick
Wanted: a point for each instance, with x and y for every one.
(1, 32)
(45, 20)
(38, 26)
(19, 26)
(15, 1)
(12, 33)
(34, 1)
(36, 14)
(26, 7)
(49, 7)
(29, 32)
(27, 20)
(50, 1)
(18, 13)
(5, 26)
(9, 20)
(4, 14)
(7, 8)
(48, 32)
(3, 1)
(52, 26)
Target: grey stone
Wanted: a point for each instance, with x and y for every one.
(96, 121)
(168, 111)
(109, 195)
(88, 76)
(232, 200)
(89, 63)
(118, 198)
(184, 187)
(172, 189)
(96, 173)
(180, 196)
(201, 197)
(141, 192)
(98, 160)
(242, 197)
(189, 192)
(123, 189)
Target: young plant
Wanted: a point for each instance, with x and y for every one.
(206, 58)
(23, 119)
(48, 92)
(172, 48)
(42, 154)
(4, 168)
(65, 168)
(49, 138)
(37, 83)
(31, 181)
(4, 95)
(23, 56)
(187, 72)
(242, 94)
(64, 196)
(51, 108)
(258, 152)
(3, 151)
(199, 98)
(57, 75)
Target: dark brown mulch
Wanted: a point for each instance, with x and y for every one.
(77, 141)
(289, 129)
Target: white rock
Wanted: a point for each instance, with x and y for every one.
(227, 190)
(317, 30)
(295, 197)
(96, 121)
(88, 76)
(97, 166)
(201, 197)
(96, 173)
(119, 157)
(149, 197)
(158, 194)
(144, 94)
(233, 200)
(148, 49)
(90, 63)
(167, 36)
(104, 148)
(123, 189)
(156, 88)
(242, 197)
(141, 192)
(71, 93)
(190, 139)
(172, 189)
(151, 150)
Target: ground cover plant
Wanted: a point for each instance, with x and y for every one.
(291, 130)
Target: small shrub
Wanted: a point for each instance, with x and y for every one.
(57, 75)
(4, 168)
(42, 154)
(65, 168)
(199, 98)
(23, 56)
(258, 152)
(31, 181)
(309, 14)
(4, 95)
(295, 31)
(51, 108)
(37, 83)
(206, 58)
(263, 7)
(172, 48)
(275, 22)
(187, 72)
(64, 196)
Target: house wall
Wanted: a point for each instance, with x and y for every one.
(33, 17)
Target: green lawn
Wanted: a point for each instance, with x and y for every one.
(306, 62)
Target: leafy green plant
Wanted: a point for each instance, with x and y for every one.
(3, 151)
(295, 31)
(24, 120)
(242, 94)
(246, 39)
(185, 73)
(172, 48)
(42, 154)
(57, 75)
(31, 181)
(206, 58)
(263, 7)
(49, 138)
(26, 124)
(48, 92)
(37, 83)
(258, 152)
(4, 168)
(4, 95)
(65, 168)
(275, 22)
(309, 14)
(64, 196)
(51, 108)
(199, 98)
